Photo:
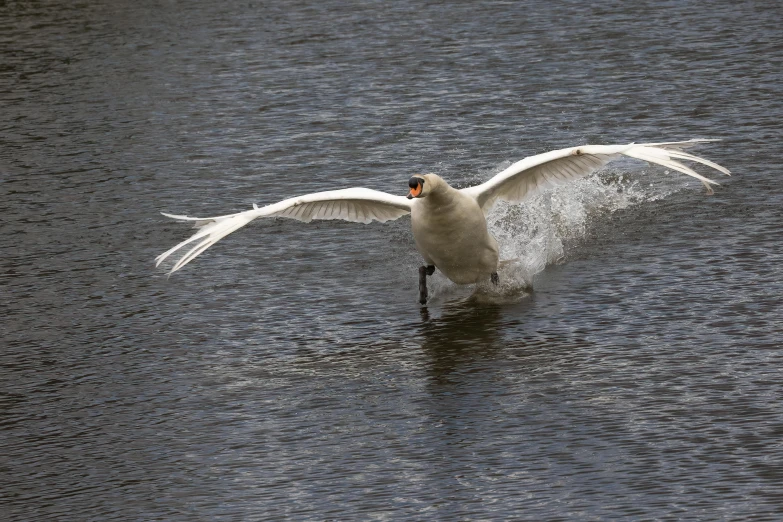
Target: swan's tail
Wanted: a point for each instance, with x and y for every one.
(211, 230)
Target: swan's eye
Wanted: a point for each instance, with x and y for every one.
(414, 182)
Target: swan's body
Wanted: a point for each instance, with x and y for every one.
(451, 233)
(449, 225)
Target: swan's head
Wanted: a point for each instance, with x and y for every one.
(421, 185)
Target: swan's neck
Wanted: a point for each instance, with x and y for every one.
(441, 193)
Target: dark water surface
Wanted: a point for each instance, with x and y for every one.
(289, 372)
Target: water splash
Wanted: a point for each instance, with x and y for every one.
(537, 232)
(534, 234)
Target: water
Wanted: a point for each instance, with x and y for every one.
(289, 372)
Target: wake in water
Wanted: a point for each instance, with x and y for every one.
(535, 233)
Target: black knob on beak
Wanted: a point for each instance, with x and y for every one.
(415, 183)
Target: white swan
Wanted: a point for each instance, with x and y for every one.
(449, 225)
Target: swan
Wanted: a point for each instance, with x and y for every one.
(449, 225)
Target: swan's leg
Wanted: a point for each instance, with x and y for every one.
(494, 278)
(423, 285)
(424, 271)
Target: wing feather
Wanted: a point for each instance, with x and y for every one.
(536, 173)
(355, 204)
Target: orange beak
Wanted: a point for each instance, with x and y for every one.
(415, 192)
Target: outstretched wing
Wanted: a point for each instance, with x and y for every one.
(559, 166)
(354, 204)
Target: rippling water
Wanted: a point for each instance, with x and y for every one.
(289, 372)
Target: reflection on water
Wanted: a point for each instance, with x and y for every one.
(461, 332)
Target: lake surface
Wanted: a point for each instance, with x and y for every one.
(289, 372)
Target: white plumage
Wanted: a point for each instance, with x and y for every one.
(448, 224)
